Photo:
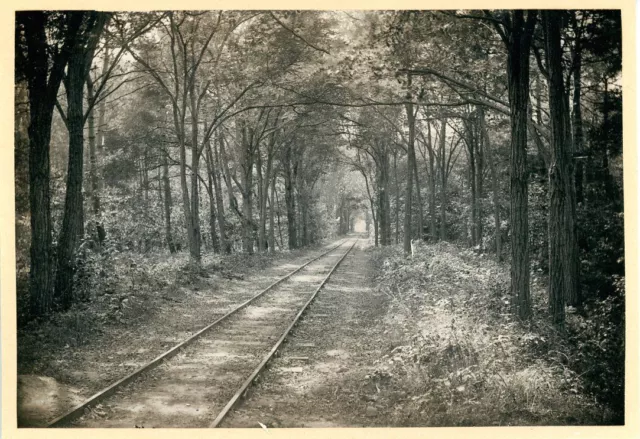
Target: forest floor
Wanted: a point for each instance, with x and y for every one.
(390, 341)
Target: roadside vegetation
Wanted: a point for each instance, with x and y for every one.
(465, 360)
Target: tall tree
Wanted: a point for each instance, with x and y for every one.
(562, 275)
(225, 245)
(516, 31)
(577, 24)
(42, 62)
(411, 158)
(495, 186)
(430, 163)
(290, 169)
(446, 158)
(213, 217)
(168, 203)
(74, 82)
(96, 141)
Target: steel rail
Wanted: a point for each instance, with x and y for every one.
(245, 385)
(79, 409)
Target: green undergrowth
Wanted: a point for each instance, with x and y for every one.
(459, 355)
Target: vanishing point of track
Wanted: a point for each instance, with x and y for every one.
(208, 378)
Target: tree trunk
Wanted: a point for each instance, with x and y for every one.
(145, 177)
(606, 174)
(411, 117)
(225, 245)
(342, 227)
(262, 205)
(578, 128)
(167, 203)
(479, 184)
(397, 190)
(41, 104)
(272, 208)
(347, 218)
(93, 167)
(102, 126)
(44, 74)
(471, 149)
(372, 206)
(384, 214)
(246, 175)
(298, 203)
(518, 49)
(40, 287)
(194, 223)
(432, 186)
(495, 187)
(263, 192)
(247, 226)
(418, 195)
(376, 227)
(562, 278)
(73, 219)
(304, 213)
(278, 218)
(68, 240)
(215, 243)
(543, 153)
(186, 203)
(443, 177)
(381, 217)
(289, 200)
(386, 199)
(98, 152)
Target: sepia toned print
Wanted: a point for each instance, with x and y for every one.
(278, 219)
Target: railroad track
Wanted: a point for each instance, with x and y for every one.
(203, 378)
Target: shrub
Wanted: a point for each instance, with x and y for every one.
(598, 339)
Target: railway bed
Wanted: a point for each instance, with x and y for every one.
(199, 381)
